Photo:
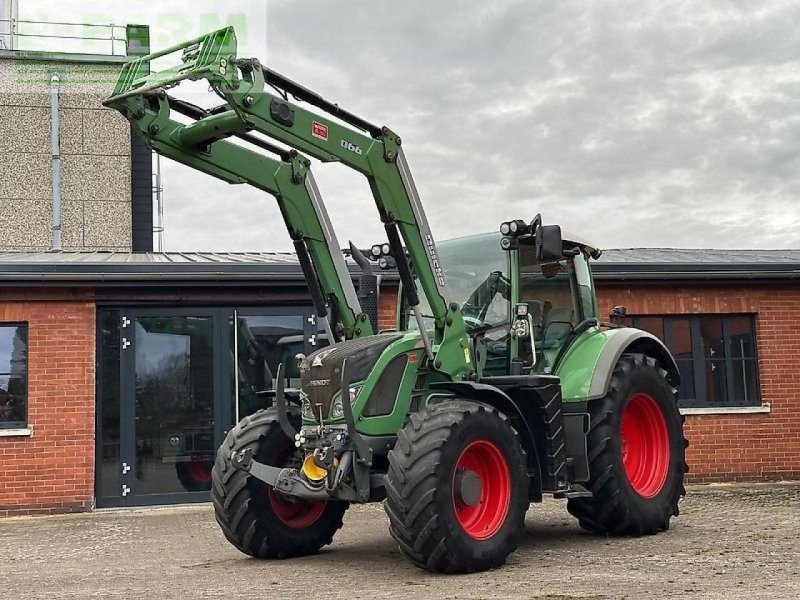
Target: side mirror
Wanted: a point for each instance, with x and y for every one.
(548, 243)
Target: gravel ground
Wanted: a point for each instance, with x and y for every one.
(730, 541)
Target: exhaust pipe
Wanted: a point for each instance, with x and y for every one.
(368, 291)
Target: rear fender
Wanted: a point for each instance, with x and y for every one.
(491, 396)
(587, 366)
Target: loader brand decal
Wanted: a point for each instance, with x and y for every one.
(350, 146)
(319, 382)
(437, 268)
(319, 130)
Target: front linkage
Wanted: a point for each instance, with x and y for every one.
(337, 463)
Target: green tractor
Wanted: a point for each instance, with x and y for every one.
(500, 384)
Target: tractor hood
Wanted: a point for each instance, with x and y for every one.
(321, 372)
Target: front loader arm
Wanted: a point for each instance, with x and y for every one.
(378, 155)
(380, 158)
(289, 180)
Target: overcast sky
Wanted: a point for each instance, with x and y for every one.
(638, 123)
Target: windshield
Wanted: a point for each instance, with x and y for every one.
(476, 272)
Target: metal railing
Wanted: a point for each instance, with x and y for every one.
(112, 34)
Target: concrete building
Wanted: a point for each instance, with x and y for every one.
(69, 167)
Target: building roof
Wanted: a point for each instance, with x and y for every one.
(679, 263)
(150, 267)
(699, 256)
(91, 268)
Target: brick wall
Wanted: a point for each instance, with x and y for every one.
(737, 447)
(52, 471)
(387, 307)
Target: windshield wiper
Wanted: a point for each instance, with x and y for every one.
(488, 327)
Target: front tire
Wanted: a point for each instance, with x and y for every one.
(253, 517)
(636, 451)
(457, 488)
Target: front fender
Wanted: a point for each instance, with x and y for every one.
(587, 366)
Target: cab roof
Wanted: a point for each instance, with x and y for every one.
(569, 240)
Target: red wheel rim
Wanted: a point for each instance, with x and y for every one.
(295, 514)
(645, 445)
(484, 518)
(198, 470)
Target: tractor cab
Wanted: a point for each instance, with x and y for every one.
(493, 284)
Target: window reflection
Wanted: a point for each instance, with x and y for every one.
(174, 404)
(13, 375)
(265, 341)
(716, 356)
(109, 402)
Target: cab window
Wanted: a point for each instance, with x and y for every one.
(583, 279)
(551, 293)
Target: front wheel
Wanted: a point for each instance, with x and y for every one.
(254, 517)
(457, 488)
(637, 453)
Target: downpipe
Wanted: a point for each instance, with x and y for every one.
(55, 154)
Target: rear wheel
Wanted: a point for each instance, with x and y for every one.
(636, 452)
(254, 517)
(457, 488)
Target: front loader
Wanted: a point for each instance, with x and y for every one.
(500, 385)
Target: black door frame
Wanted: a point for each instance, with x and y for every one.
(127, 451)
(224, 375)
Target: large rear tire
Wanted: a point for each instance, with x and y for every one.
(457, 488)
(252, 516)
(636, 453)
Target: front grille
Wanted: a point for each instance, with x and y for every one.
(321, 376)
(382, 399)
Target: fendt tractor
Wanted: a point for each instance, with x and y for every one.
(499, 385)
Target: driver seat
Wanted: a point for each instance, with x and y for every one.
(557, 327)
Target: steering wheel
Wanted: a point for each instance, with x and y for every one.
(472, 322)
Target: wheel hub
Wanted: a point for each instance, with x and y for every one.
(645, 445)
(468, 487)
(481, 489)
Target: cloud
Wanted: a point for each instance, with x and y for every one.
(633, 123)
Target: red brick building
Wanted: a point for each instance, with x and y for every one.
(121, 372)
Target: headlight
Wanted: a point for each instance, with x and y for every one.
(306, 409)
(337, 409)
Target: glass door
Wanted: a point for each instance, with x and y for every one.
(172, 382)
(263, 339)
(170, 399)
